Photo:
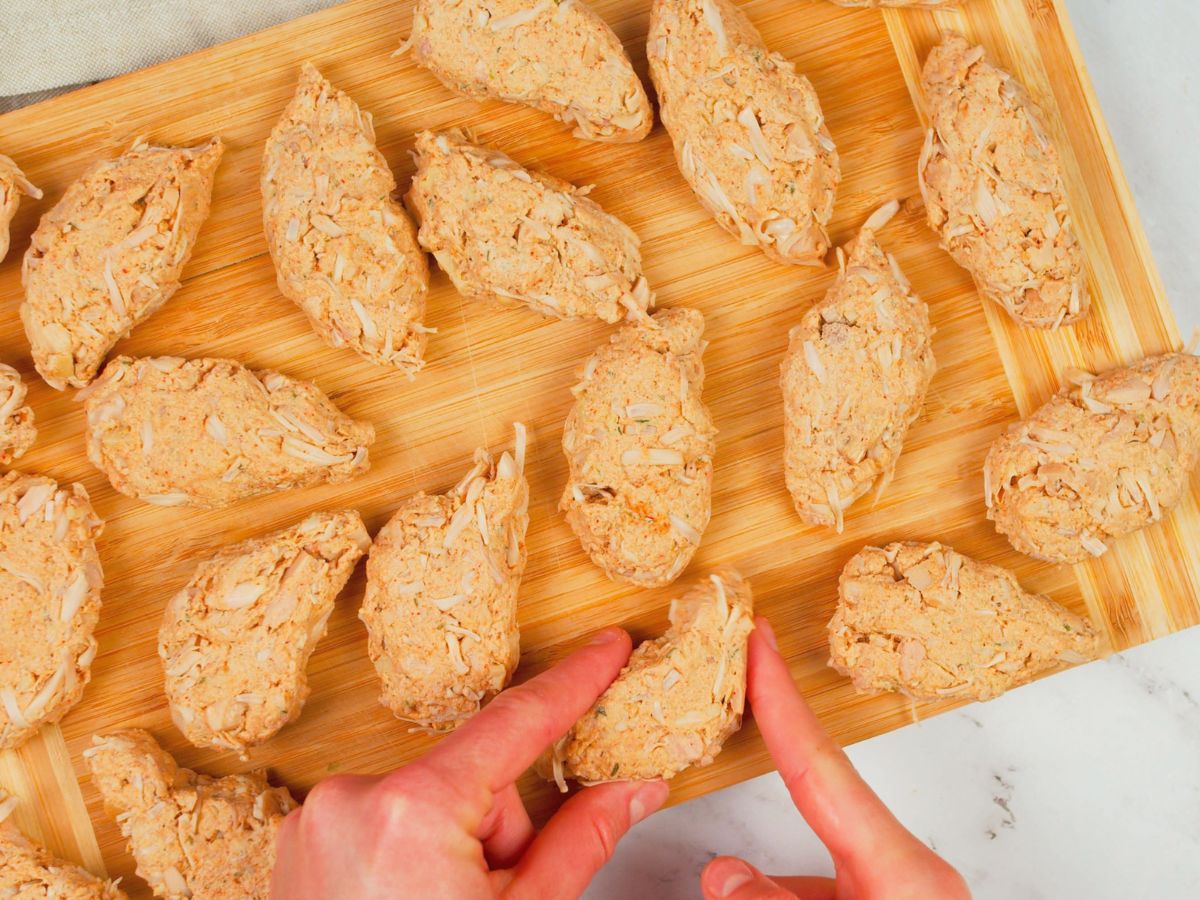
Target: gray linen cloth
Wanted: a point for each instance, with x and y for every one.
(50, 46)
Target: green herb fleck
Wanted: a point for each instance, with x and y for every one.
(601, 711)
(614, 771)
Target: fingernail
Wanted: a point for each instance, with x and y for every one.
(768, 632)
(647, 800)
(607, 636)
(637, 809)
(736, 878)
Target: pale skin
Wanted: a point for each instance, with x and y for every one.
(452, 824)
(874, 856)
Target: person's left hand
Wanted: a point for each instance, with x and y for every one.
(452, 824)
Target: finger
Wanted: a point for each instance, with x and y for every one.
(304, 866)
(729, 878)
(841, 808)
(506, 831)
(581, 837)
(503, 740)
(287, 840)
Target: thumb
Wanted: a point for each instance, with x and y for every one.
(730, 878)
(581, 837)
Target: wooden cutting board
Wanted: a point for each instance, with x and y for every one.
(488, 368)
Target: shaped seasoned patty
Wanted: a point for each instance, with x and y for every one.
(17, 432)
(749, 134)
(854, 379)
(678, 699)
(504, 233)
(192, 835)
(235, 641)
(13, 184)
(209, 432)
(993, 189)
(639, 441)
(345, 252)
(928, 622)
(50, 580)
(559, 57)
(1100, 460)
(441, 600)
(111, 252)
(29, 872)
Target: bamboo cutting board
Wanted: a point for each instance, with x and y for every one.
(488, 368)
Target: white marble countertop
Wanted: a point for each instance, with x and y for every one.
(1086, 784)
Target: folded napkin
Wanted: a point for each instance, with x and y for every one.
(53, 45)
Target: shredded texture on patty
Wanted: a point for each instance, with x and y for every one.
(50, 581)
(13, 184)
(676, 702)
(209, 432)
(345, 252)
(29, 872)
(17, 432)
(111, 252)
(994, 191)
(192, 835)
(1101, 459)
(931, 623)
(640, 441)
(854, 379)
(504, 233)
(554, 55)
(441, 600)
(749, 134)
(235, 642)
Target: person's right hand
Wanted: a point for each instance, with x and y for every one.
(874, 856)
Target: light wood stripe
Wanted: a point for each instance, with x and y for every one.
(52, 810)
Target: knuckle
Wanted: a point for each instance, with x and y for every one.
(416, 794)
(446, 786)
(320, 810)
(407, 782)
(396, 810)
(326, 793)
(795, 773)
(605, 834)
(432, 785)
(527, 704)
(798, 772)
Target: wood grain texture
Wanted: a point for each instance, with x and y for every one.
(489, 367)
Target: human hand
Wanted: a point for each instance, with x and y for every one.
(873, 854)
(452, 824)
